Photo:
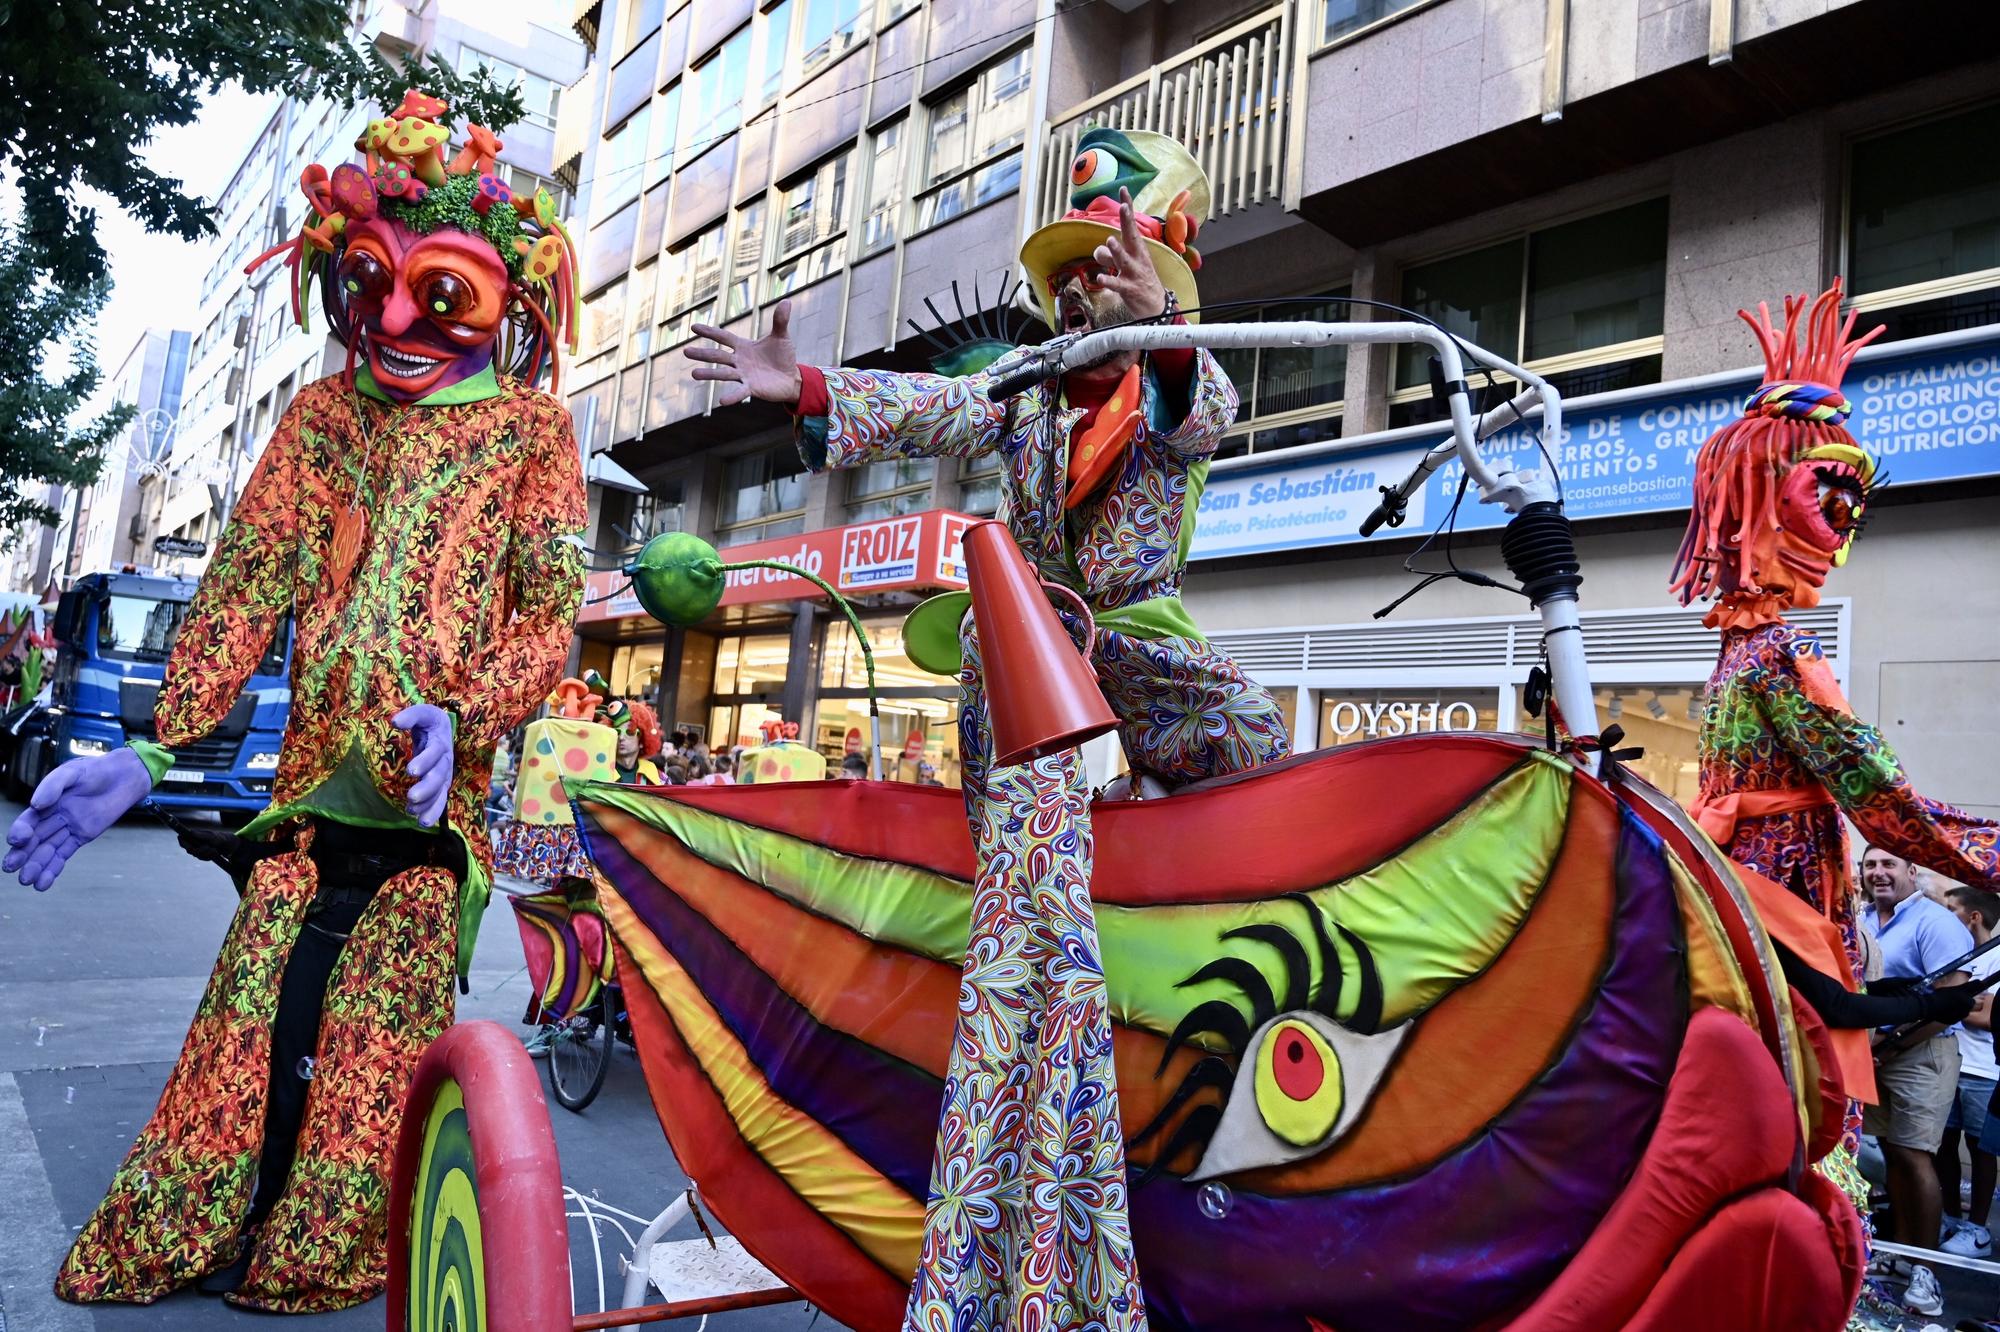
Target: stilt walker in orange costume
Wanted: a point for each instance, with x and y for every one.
(417, 516)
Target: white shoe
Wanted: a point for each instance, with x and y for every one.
(1923, 1294)
(1969, 1241)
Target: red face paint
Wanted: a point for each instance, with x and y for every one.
(430, 307)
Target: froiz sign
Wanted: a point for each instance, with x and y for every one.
(872, 554)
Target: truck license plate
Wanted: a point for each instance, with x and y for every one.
(176, 775)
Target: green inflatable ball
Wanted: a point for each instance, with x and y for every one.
(678, 578)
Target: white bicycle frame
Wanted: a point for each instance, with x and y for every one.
(1562, 632)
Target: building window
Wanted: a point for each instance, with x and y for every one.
(774, 38)
(524, 184)
(642, 17)
(763, 495)
(975, 141)
(538, 94)
(666, 125)
(1581, 304)
(603, 320)
(979, 484)
(885, 187)
(1923, 226)
(1346, 17)
(895, 9)
(640, 288)
(812, 218)
(621, 161)
(626, 521)
(831, 29)
(746, 257)
(690, 280)
(715, 96)
(1286, 396)
(890, 488)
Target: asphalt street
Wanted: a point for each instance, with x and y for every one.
(98, 978)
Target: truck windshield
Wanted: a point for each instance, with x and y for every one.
(133, 628)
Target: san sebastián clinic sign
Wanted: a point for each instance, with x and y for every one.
(1928, 410)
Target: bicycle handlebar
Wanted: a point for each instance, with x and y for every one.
(1053, 358)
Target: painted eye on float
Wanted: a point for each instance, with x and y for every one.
(446, 295)
(1841, 498)
(1310, 1056)
(364, 278)
(1298, 1083)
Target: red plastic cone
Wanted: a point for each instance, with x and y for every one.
(1041, 695)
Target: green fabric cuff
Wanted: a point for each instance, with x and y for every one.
(157, 758)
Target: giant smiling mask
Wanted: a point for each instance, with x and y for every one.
(430, 307)
(433, 268)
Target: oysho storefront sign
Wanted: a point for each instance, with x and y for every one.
(1346, 719)
(919, 550)
(1928, 410)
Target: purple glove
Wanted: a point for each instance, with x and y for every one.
(430, 766)
(72, 806)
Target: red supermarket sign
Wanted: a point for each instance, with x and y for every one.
(919, 550)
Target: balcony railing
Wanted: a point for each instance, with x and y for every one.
(1226, 99)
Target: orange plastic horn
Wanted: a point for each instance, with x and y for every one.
(1041, 695)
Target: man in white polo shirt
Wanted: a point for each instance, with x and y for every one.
(1916, 937)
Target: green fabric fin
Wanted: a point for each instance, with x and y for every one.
(350, 796)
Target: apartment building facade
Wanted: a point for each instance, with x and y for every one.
(248, 357)
(103, 525)
(1592, 191)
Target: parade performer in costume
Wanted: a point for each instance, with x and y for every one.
(781, 758)
(1780, 496)
(1102, 474)
(417, 516)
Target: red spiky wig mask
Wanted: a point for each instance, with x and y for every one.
(431, 268)
(1780, 495)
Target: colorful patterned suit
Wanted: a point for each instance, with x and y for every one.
(1026, 1224)
(464, 594)
(1777, 732)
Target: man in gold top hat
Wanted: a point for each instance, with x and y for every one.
(1102, 473)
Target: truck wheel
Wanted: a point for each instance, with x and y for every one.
(477, 1232)
(24, 773)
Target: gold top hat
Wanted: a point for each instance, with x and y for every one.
(1170, 195)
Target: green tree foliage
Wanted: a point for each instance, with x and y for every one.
(84, 85)
(38, 442)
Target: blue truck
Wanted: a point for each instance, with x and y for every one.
(113, 634)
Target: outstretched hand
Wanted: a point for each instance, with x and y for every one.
(1127, 265)
(765, 368)
(430, 763)
(73, 806)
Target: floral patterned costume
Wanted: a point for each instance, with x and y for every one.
(463, 594)
(1782, 758)
(1026, 1223)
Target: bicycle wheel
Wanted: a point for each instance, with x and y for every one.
(580, 1054)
